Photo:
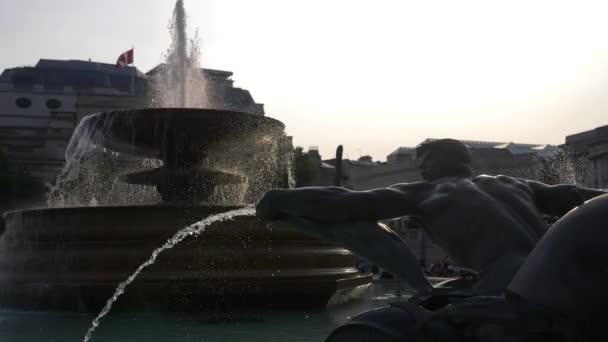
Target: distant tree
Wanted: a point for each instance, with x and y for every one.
(19, 187)
(306, 168)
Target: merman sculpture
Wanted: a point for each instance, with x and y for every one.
(487, 223)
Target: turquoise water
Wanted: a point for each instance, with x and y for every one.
(48, 326)
(297, 326)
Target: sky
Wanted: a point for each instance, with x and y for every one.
(371, 75)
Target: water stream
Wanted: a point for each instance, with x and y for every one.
(180, 81)
(291, 178)
(193, 229)
(85, 159)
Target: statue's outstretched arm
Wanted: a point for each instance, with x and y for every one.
(559, 199)
(339, 205)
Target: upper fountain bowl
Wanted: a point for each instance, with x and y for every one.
(152, 132)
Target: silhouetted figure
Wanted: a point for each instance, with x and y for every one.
(558, 294)
(487, 223)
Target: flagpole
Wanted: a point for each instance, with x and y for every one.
(133, 71)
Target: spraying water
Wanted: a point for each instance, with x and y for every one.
(179, 55)
(83, 156)
(562, 168)
(90, 171)
(193, 229)
(291, 179)
(180, 82)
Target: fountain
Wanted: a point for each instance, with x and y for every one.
(206, 162)
(73, 257)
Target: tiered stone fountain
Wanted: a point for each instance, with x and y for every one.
(72, 258)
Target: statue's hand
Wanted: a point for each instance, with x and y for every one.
(273, 206)
(270, 206)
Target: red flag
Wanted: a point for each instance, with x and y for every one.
(125, 59)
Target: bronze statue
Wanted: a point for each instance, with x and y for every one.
(492, 224)
(486, 223)
(558, 294)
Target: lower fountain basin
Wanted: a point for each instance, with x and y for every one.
(73, 259)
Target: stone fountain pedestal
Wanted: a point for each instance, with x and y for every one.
(73, 258)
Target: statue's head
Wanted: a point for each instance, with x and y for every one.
(444, 158)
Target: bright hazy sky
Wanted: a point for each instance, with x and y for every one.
(372, 75)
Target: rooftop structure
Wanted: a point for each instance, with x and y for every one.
(488, 157)
(591, 148)
(541, 150)
(50, 75)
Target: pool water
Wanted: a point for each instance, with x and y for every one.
(283, 325)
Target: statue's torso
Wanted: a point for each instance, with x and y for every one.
(479, 221)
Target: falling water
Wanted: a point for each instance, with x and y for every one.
(90, 171)
(83, 156)
(569, 170)
(193, 229)
(291, 179)
(180, 81)
(562, 168)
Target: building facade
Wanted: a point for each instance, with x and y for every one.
(590, 150)
(40, 106)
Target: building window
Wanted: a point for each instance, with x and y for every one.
(23, 102)
(53, 104)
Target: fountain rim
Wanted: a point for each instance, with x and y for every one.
(149, 146)
(213, 209)
(210, 111)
